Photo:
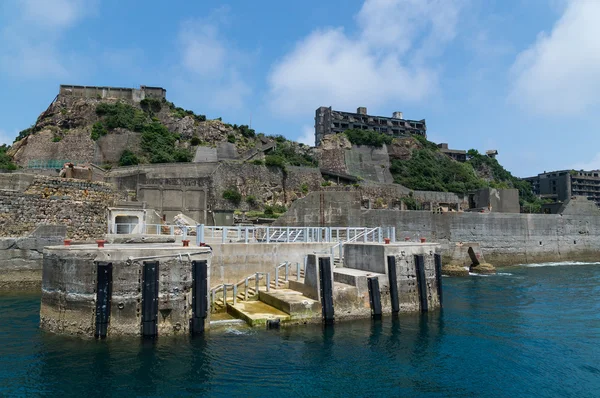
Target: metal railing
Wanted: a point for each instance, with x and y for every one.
(246, 282)
(152, 229)
(262, 234)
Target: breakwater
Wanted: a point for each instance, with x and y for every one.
(504, 238)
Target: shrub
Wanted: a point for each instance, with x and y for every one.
(258, 162)
(246, 131)
(151, 105)
(291, 156)
(367, 137)
(231, 138)
(251, 200)
(304, 188)
(278, 209)
(98, 130)
(24, 133)
(128, 158)
(275, 161)
(233, 195)
(326, 183)
(5, 160)
(121, 115)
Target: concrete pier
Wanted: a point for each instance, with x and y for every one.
(70, 290)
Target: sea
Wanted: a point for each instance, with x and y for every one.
(529, 331)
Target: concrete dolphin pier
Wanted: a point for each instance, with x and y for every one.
(135, 289)
(158, 289)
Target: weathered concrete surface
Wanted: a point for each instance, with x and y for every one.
(21, 262)
(69, 288)
(505, 239)
(233, 262)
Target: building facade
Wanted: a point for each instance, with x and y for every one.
(328, 121)
(565, 184)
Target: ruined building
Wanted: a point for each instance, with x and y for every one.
(328, 121)
(565, 184)
(130, 94)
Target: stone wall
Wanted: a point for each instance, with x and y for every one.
(79, 205)
(505, 238)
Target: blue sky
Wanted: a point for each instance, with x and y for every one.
(519, 76)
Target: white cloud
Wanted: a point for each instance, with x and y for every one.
(56, 13)
(32, 40)
(307, 136)
(384, 62)
(212, 64)
(560, 72)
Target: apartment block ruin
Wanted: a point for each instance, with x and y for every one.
(562, 185)
(329, 121)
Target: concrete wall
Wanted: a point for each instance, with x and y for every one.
(69, 289)
(21, 262)
(369, 163)
(233, 262)
(505, 238)
(129, 94)
(497, 200)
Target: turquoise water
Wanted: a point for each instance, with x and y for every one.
(530, 331)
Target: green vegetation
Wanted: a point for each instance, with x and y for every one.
(258, 162)
(98, 130)
(5, 160)
(231, 138)
(121, 115)
(245, 130)
(180, 113)
(429, 170)
(233, 195)
(288, 154)
(367, 137)
(504, 179)
(326, 184)
(195, 141)
(304, 188)
(128, 158)
(24, 133)
(275, 161)
(159, 143)
(151, 105)
(251, 200)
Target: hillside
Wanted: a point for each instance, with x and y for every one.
(112, 132)
(418, 164)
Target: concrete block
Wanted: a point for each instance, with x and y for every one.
(37, 244)
(7, 243)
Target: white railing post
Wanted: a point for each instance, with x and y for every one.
(223, 234)
(246, 234)
(287, 233)
(379, 235)
(200, 233)
(268, 234)
(393, 237)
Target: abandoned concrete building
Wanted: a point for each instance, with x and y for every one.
(328, 121)
(564, 184)
(130, 94)
(457, 154)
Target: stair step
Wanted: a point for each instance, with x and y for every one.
(292, 302)
(256, 313)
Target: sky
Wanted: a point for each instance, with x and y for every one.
(518, 76)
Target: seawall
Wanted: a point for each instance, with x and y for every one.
(505, 238)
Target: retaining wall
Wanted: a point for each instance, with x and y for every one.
(505, 239)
